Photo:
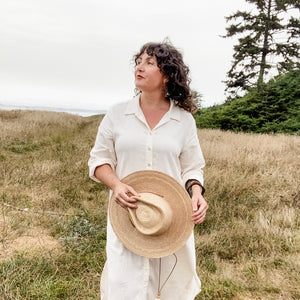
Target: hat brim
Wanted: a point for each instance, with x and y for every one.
(181, 226)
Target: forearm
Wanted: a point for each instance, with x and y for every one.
(107, 176)
(120, 190)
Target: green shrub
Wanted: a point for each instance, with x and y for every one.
(274, 109)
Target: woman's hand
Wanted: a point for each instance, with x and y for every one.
(120, 190)
(120, 194)
(199, 205)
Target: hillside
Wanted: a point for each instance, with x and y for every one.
(53, 217)
(276, 109)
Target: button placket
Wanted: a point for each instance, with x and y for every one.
(146, 274)
(149, 152)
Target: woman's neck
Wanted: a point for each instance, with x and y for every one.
(153, 100)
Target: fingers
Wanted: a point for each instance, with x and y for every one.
(197, 219)
(132, 191)
(200, 212)
(122, 196)
(195, 204)
(125, 201)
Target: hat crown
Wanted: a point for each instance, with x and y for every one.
(153, 214)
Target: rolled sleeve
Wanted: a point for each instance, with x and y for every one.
(103, 151)
(191, 157)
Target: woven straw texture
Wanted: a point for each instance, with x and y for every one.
(180, 229)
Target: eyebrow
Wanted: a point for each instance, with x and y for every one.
(148, 57)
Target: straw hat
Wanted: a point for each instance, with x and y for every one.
(161, 224)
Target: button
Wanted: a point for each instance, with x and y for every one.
(149, 148)
(149, 165)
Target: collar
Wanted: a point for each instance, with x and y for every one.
(133, 107)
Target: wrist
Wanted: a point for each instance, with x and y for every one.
(196, 189)
(193, 185)
(114, 183)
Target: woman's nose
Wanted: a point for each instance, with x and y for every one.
(140, 67)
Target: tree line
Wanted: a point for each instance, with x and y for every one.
(273, 109)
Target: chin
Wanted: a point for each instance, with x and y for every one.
(139, 87)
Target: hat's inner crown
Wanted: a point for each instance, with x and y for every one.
(153, 214)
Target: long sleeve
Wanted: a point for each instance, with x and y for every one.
(191, 157)
(103, 151)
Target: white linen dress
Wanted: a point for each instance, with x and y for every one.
(127, 144)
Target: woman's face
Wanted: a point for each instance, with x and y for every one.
(148, 77)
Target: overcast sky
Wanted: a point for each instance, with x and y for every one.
(77, 53)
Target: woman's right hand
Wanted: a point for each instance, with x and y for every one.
(121, 191)
(120, 195)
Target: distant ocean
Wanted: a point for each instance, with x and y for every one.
(75, 111)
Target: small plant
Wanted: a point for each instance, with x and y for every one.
(79, 231)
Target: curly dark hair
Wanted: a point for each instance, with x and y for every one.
(170, 63)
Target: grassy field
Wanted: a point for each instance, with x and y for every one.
(53, 217)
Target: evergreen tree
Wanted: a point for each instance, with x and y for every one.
(269, 40)
(198, 98)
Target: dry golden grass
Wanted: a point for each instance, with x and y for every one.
(252, 236)
(54, 248)
(21, 124)
(32, 242)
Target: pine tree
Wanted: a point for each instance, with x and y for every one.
(198, 98)
(269, 40)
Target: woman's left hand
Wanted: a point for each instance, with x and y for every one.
(199, 205)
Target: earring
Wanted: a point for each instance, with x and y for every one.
(137, 91)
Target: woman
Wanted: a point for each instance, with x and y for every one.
(153, 131)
